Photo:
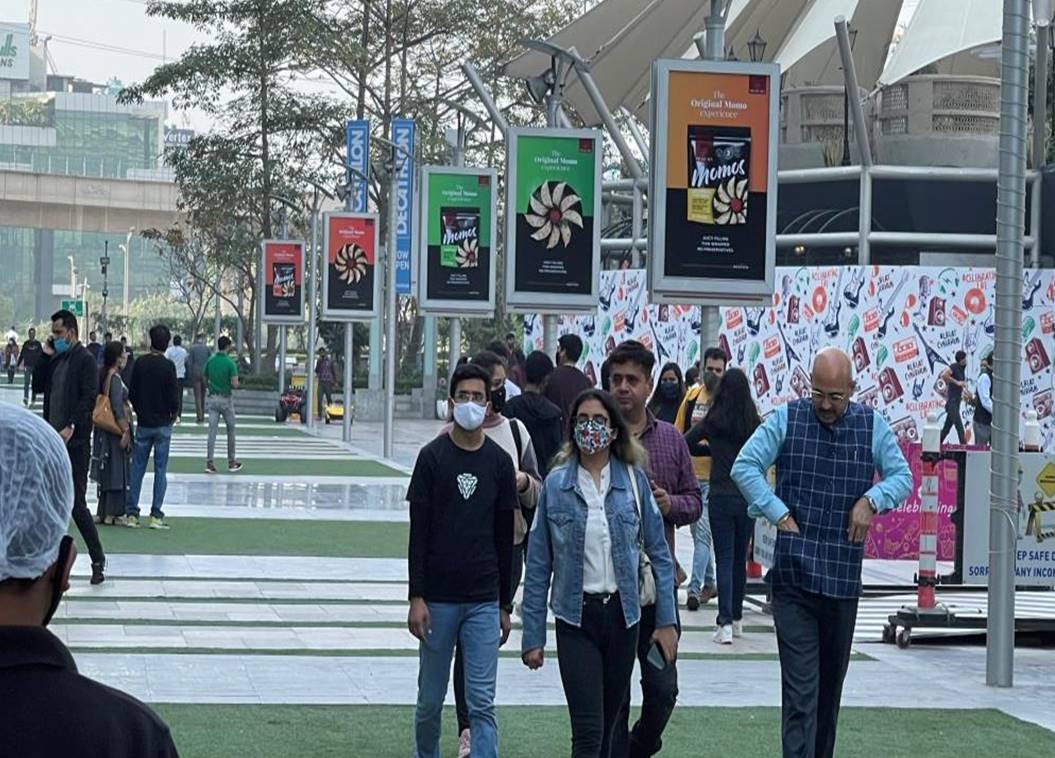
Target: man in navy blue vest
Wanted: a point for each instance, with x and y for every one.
(827, 450)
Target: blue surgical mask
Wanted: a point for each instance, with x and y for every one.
(469, 415)
(668, 390)
(61, 345)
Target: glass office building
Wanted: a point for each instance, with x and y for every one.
(64, 126)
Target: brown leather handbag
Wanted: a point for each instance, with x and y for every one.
(103, 413)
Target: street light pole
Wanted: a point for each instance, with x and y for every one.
(128, 270)
(104, 264)
(846, 105)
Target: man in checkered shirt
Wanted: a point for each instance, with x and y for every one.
(827, 451)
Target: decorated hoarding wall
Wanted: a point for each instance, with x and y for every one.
(901, 325)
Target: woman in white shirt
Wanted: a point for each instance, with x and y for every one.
(595, 516)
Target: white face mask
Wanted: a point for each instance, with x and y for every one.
(469, 415)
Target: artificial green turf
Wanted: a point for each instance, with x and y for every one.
(279, 731)
(281, 466)
(221, 536)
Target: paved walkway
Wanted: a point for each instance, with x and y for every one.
(268, 629)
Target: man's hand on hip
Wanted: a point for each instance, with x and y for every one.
(860, 520)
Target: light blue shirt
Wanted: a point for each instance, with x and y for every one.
(985, 391)
(762, 449)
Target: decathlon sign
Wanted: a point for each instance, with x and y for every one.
(403, 137)
(14, 51)
(357, 135)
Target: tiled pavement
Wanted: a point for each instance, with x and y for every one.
(259, 629)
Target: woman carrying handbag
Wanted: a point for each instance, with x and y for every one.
(112, 442)
(595, 526)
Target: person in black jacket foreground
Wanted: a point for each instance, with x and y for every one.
(542, 418)
(66, 375)
(49, 708)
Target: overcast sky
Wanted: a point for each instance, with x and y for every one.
(136, 42)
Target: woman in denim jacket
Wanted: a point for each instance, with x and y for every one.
(587, 535)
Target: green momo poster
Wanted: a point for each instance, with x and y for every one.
(458, 224)
(554, 180)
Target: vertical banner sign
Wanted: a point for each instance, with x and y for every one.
(403, 136)
(282, 270)
(357, 134)
(351, 285)
(553, 209)
(456, 241)
(714, 179)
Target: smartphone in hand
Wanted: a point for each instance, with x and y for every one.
(656, 657)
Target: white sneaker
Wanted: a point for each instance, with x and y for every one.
(738, 628)
(464, 744)
(723, 635)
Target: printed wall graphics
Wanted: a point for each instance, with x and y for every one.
(351, 280)
(553, 207)
(282, 275)
(712, 237)
(456, 266)
(900, 325)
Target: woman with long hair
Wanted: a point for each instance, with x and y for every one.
(669, 392)
(112, 453)
(595, 517)
(732, 419)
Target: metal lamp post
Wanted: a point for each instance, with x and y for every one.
(846, 106)
(104, 264)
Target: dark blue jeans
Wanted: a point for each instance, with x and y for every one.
(731, 530)
(158, 438)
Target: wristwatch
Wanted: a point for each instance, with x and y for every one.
(872, 504)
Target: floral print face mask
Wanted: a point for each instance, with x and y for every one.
(592, 436)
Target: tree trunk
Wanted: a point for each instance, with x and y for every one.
(360, 108)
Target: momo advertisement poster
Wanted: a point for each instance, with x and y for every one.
(351, 280)
(713, 190)
(456, 251)
(553, 206)
(282, 272)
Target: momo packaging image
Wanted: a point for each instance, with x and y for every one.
(283, 281)
(458, 238)
(554, 214)
(719, 161)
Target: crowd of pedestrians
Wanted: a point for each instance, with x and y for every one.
(600, 479)
(113, 412)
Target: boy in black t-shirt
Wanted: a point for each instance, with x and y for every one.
(462, 496)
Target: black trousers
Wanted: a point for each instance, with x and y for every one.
(80, 457)
(596, 662)
(659, 694)
(182, 385)
(814, 634)
(952, 418)
(461, 708)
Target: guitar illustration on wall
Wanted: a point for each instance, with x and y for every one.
(933, 356)
(789, 351)
(852, 293)
(753, 318)
(831, 324)
(1027, 300)
(889, 309)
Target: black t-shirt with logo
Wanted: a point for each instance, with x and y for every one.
(461, 523)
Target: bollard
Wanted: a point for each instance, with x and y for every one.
(927, 577)
(1031, 433)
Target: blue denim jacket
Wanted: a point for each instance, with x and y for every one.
(556, 546)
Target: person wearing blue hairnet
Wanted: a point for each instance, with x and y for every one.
(39, 684)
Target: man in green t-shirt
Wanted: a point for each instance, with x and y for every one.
(221, 378)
